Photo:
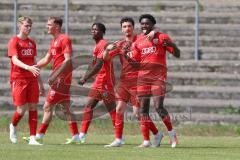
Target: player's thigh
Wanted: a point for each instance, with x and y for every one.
(55, 97)
(19, 92)
(109, 98)
(33, 92)
(121, 106)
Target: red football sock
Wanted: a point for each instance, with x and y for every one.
(73, 128)
(113, 116)
(87, 118)
(16, 118)
(32, 121)
(119, 123)
(43, 128)
(145, 127)
(167, 121)
(152, 127)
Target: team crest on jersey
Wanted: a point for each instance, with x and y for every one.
(155, 41)
(55, 43)
(30, 44)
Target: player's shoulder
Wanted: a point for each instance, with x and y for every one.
(162, 35)
(13, 39)
(31, 41)
(64, 37)
(102, 43)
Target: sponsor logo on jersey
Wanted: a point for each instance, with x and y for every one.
(149, 50)
(30, 44)
(27, 52)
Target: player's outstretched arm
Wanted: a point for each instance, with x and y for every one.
(35, 71)
(176, 50)
(109, 47)
(41, 86)
(65, 67)
(93, 71)
(44, 61)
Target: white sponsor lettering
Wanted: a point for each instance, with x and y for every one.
(27, 52)
(149, 50)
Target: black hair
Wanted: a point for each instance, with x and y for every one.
(100, 26)
(56, 20)
(127, 19)
(148, 16)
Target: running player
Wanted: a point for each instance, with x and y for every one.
(24, 79)
(60, 52)
(102, 87)
(126, 88)
(152, 55)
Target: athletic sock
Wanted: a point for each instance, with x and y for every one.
(16, 118)
(145, 127)
(32, 121)
(43, 128)
(87, 118)
(167, 121)
(73, 128)
(113, 116)
(119, 123)
(152, 127)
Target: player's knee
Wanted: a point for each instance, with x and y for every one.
(47, 109)
(21, 110)
(32, 108)
(136, 112)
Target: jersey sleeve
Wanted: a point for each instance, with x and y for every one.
(163, 37)
(135, 53)
(67, 45)
(12, 47)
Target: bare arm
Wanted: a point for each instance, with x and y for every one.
(109, 47)
(176, 50)
(95, 69)
(44, 61)
(66, 63)
(41, 87)
(33, 69)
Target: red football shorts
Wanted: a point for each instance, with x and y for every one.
(153, 87)
(107, 96)
(25, 91)
(59, 92)
(55, 97)
(127, 94)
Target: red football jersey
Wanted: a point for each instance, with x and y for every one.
(58, 47)
(26, 52)
(104, 80)
(152, 54)
(127, 71)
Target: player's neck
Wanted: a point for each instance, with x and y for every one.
(130, 37)
(98, 39)
(22, 36)
(55, 35)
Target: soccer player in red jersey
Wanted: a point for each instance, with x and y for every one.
(24, 79)
(153, 55)
(126, 88)
(102, 87)
(59, 53)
